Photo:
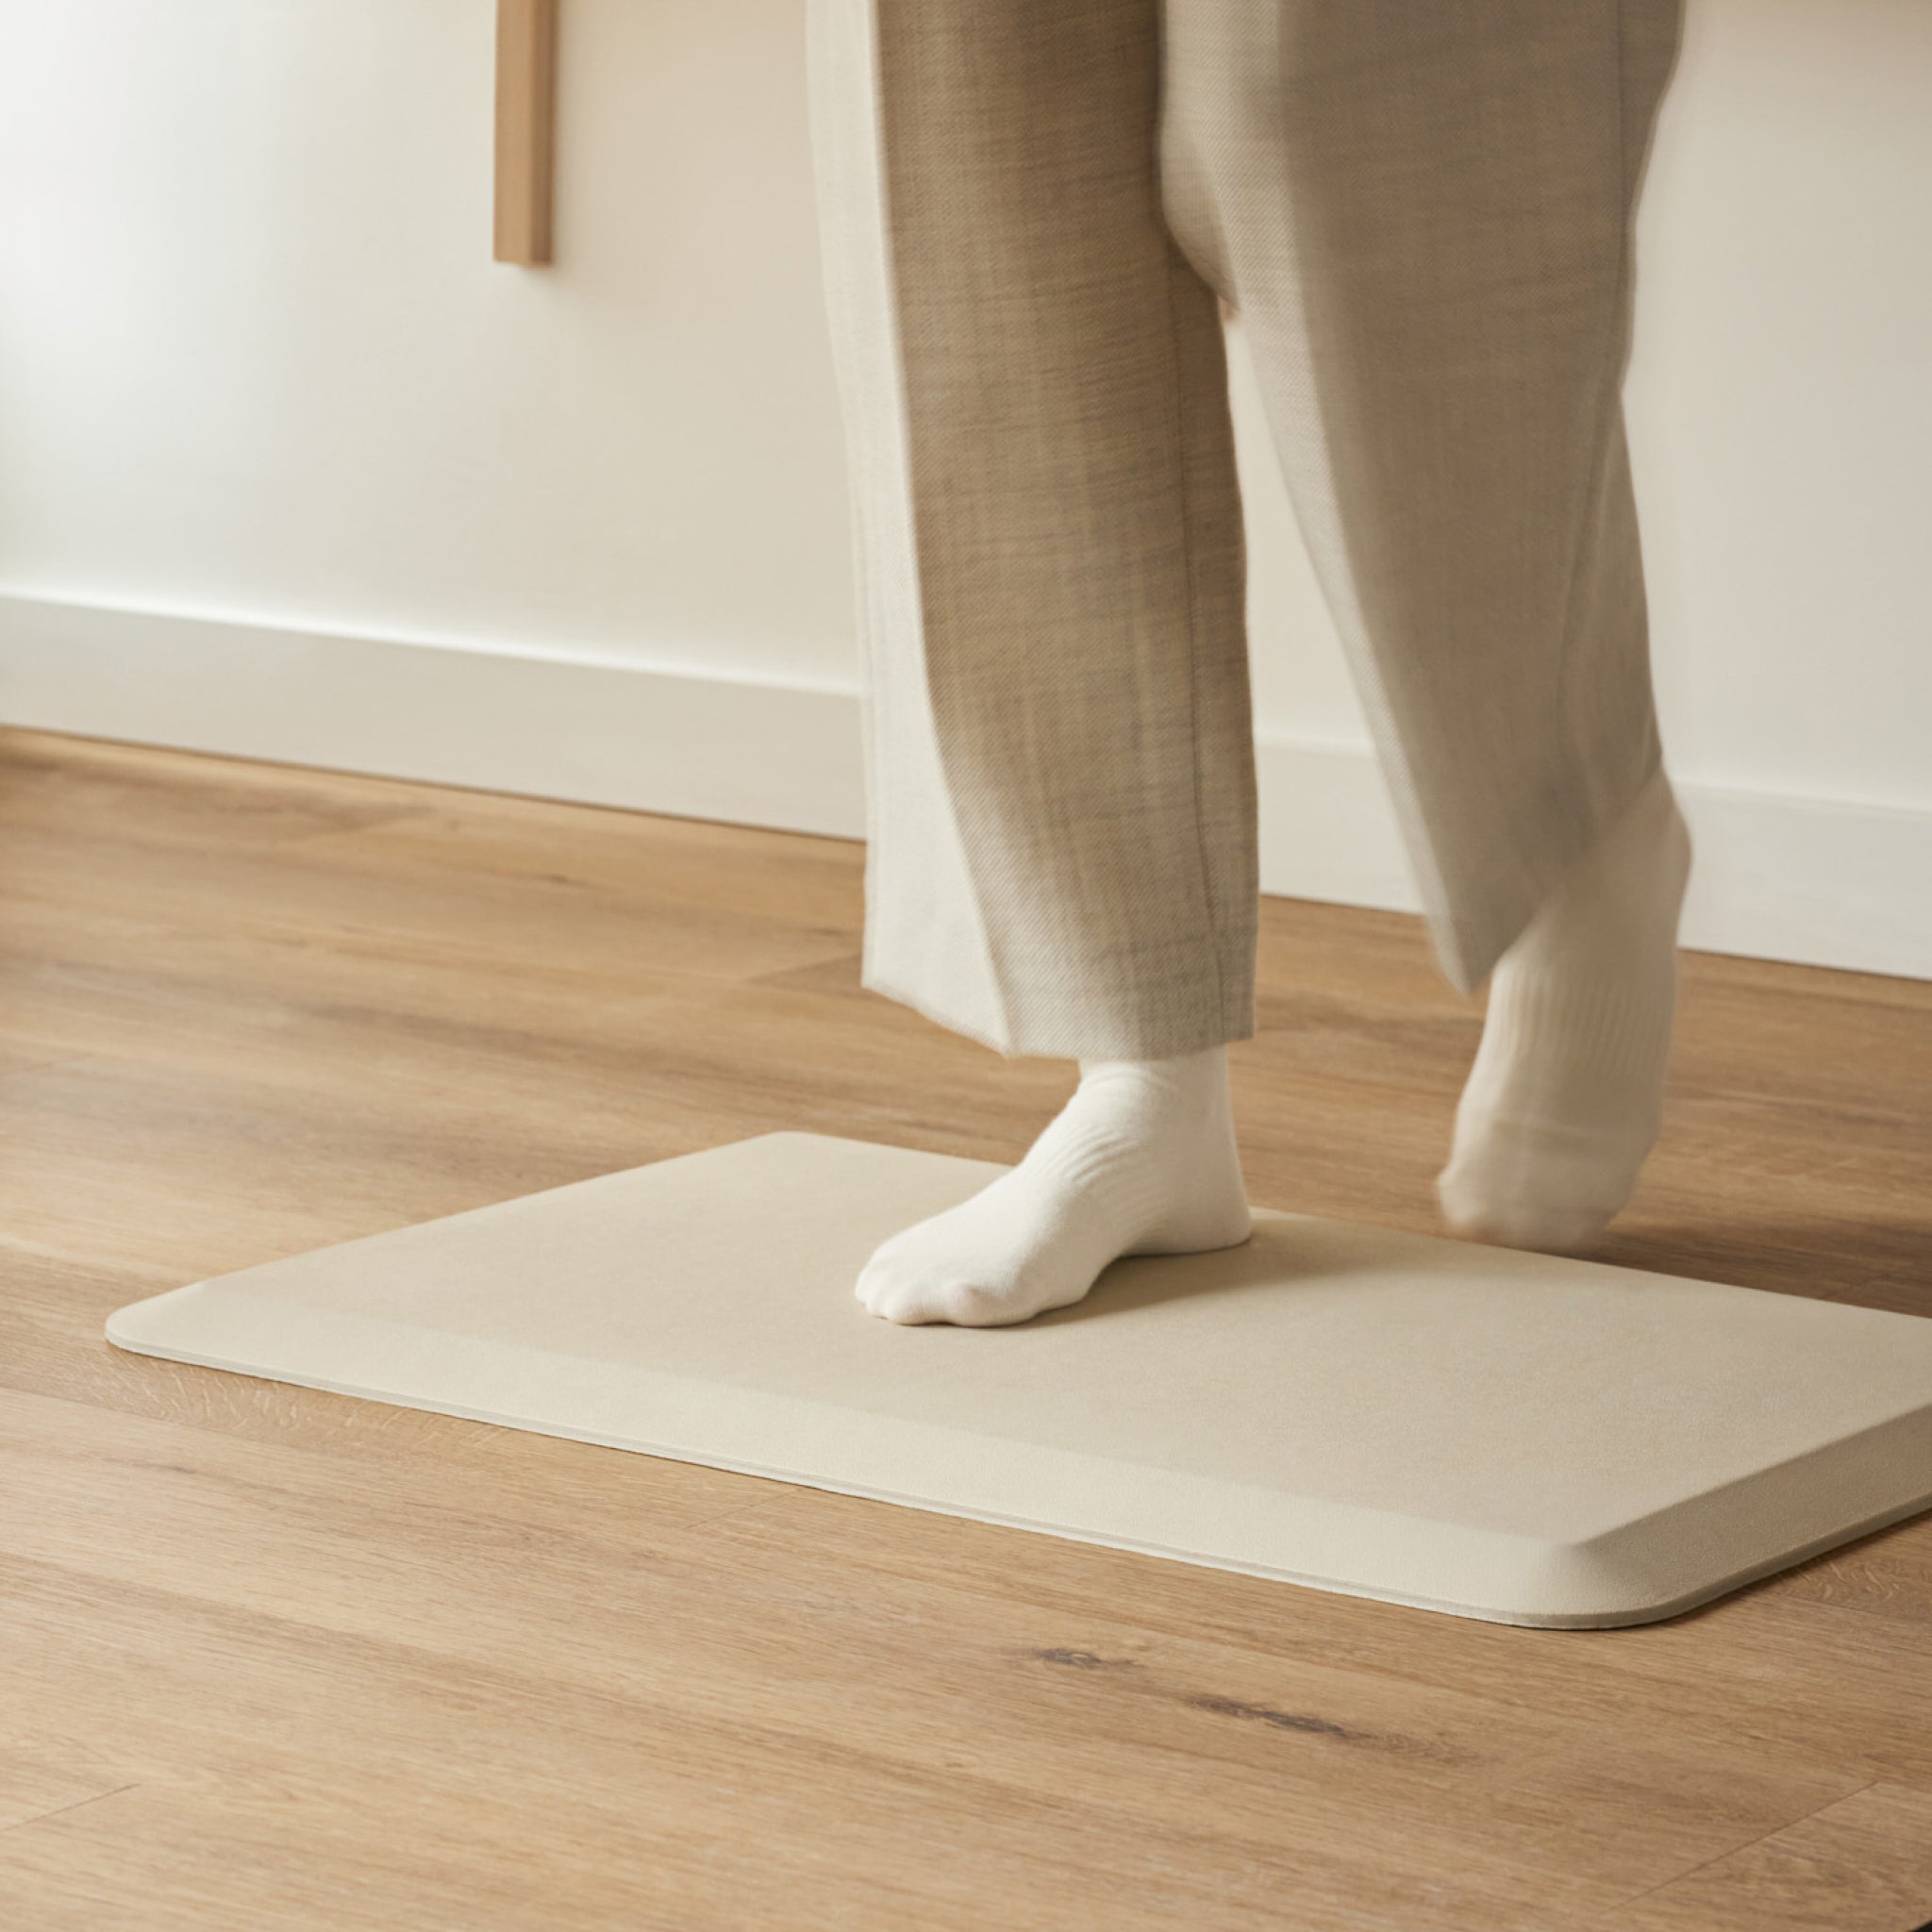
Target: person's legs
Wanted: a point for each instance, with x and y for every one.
(1421, 212)
(1060, 755)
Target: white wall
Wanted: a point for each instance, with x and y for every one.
(256, 360)
(271, 419)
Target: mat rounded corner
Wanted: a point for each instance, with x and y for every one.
(1594, 1583)
(132, 1326)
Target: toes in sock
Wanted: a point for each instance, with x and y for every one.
(1141, 1160)
(1563, 1101)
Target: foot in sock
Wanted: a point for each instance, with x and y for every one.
(1564, 1100)
(1142, 1161)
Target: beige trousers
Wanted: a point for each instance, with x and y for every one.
(1422, 211)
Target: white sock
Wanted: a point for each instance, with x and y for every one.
(1142, 1161)
(1565, 1097)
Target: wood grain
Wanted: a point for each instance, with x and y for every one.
(526, 130)
(273, 1659)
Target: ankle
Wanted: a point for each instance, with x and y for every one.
(1628, 889)
(1160, 1090)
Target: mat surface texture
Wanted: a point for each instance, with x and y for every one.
(1467, 1429)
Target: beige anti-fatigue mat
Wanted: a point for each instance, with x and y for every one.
(1495, 1434)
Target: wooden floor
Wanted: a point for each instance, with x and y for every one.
(279, 1659)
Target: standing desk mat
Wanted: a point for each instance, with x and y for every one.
(1466, 1429)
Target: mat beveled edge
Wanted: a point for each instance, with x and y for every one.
(1609, 1581)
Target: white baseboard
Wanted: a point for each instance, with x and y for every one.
(1779, 875)
(756, 753)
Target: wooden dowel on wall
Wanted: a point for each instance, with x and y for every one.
(526, 128)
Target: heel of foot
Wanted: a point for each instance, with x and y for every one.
(1199, 1232)
(1210, 1211)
